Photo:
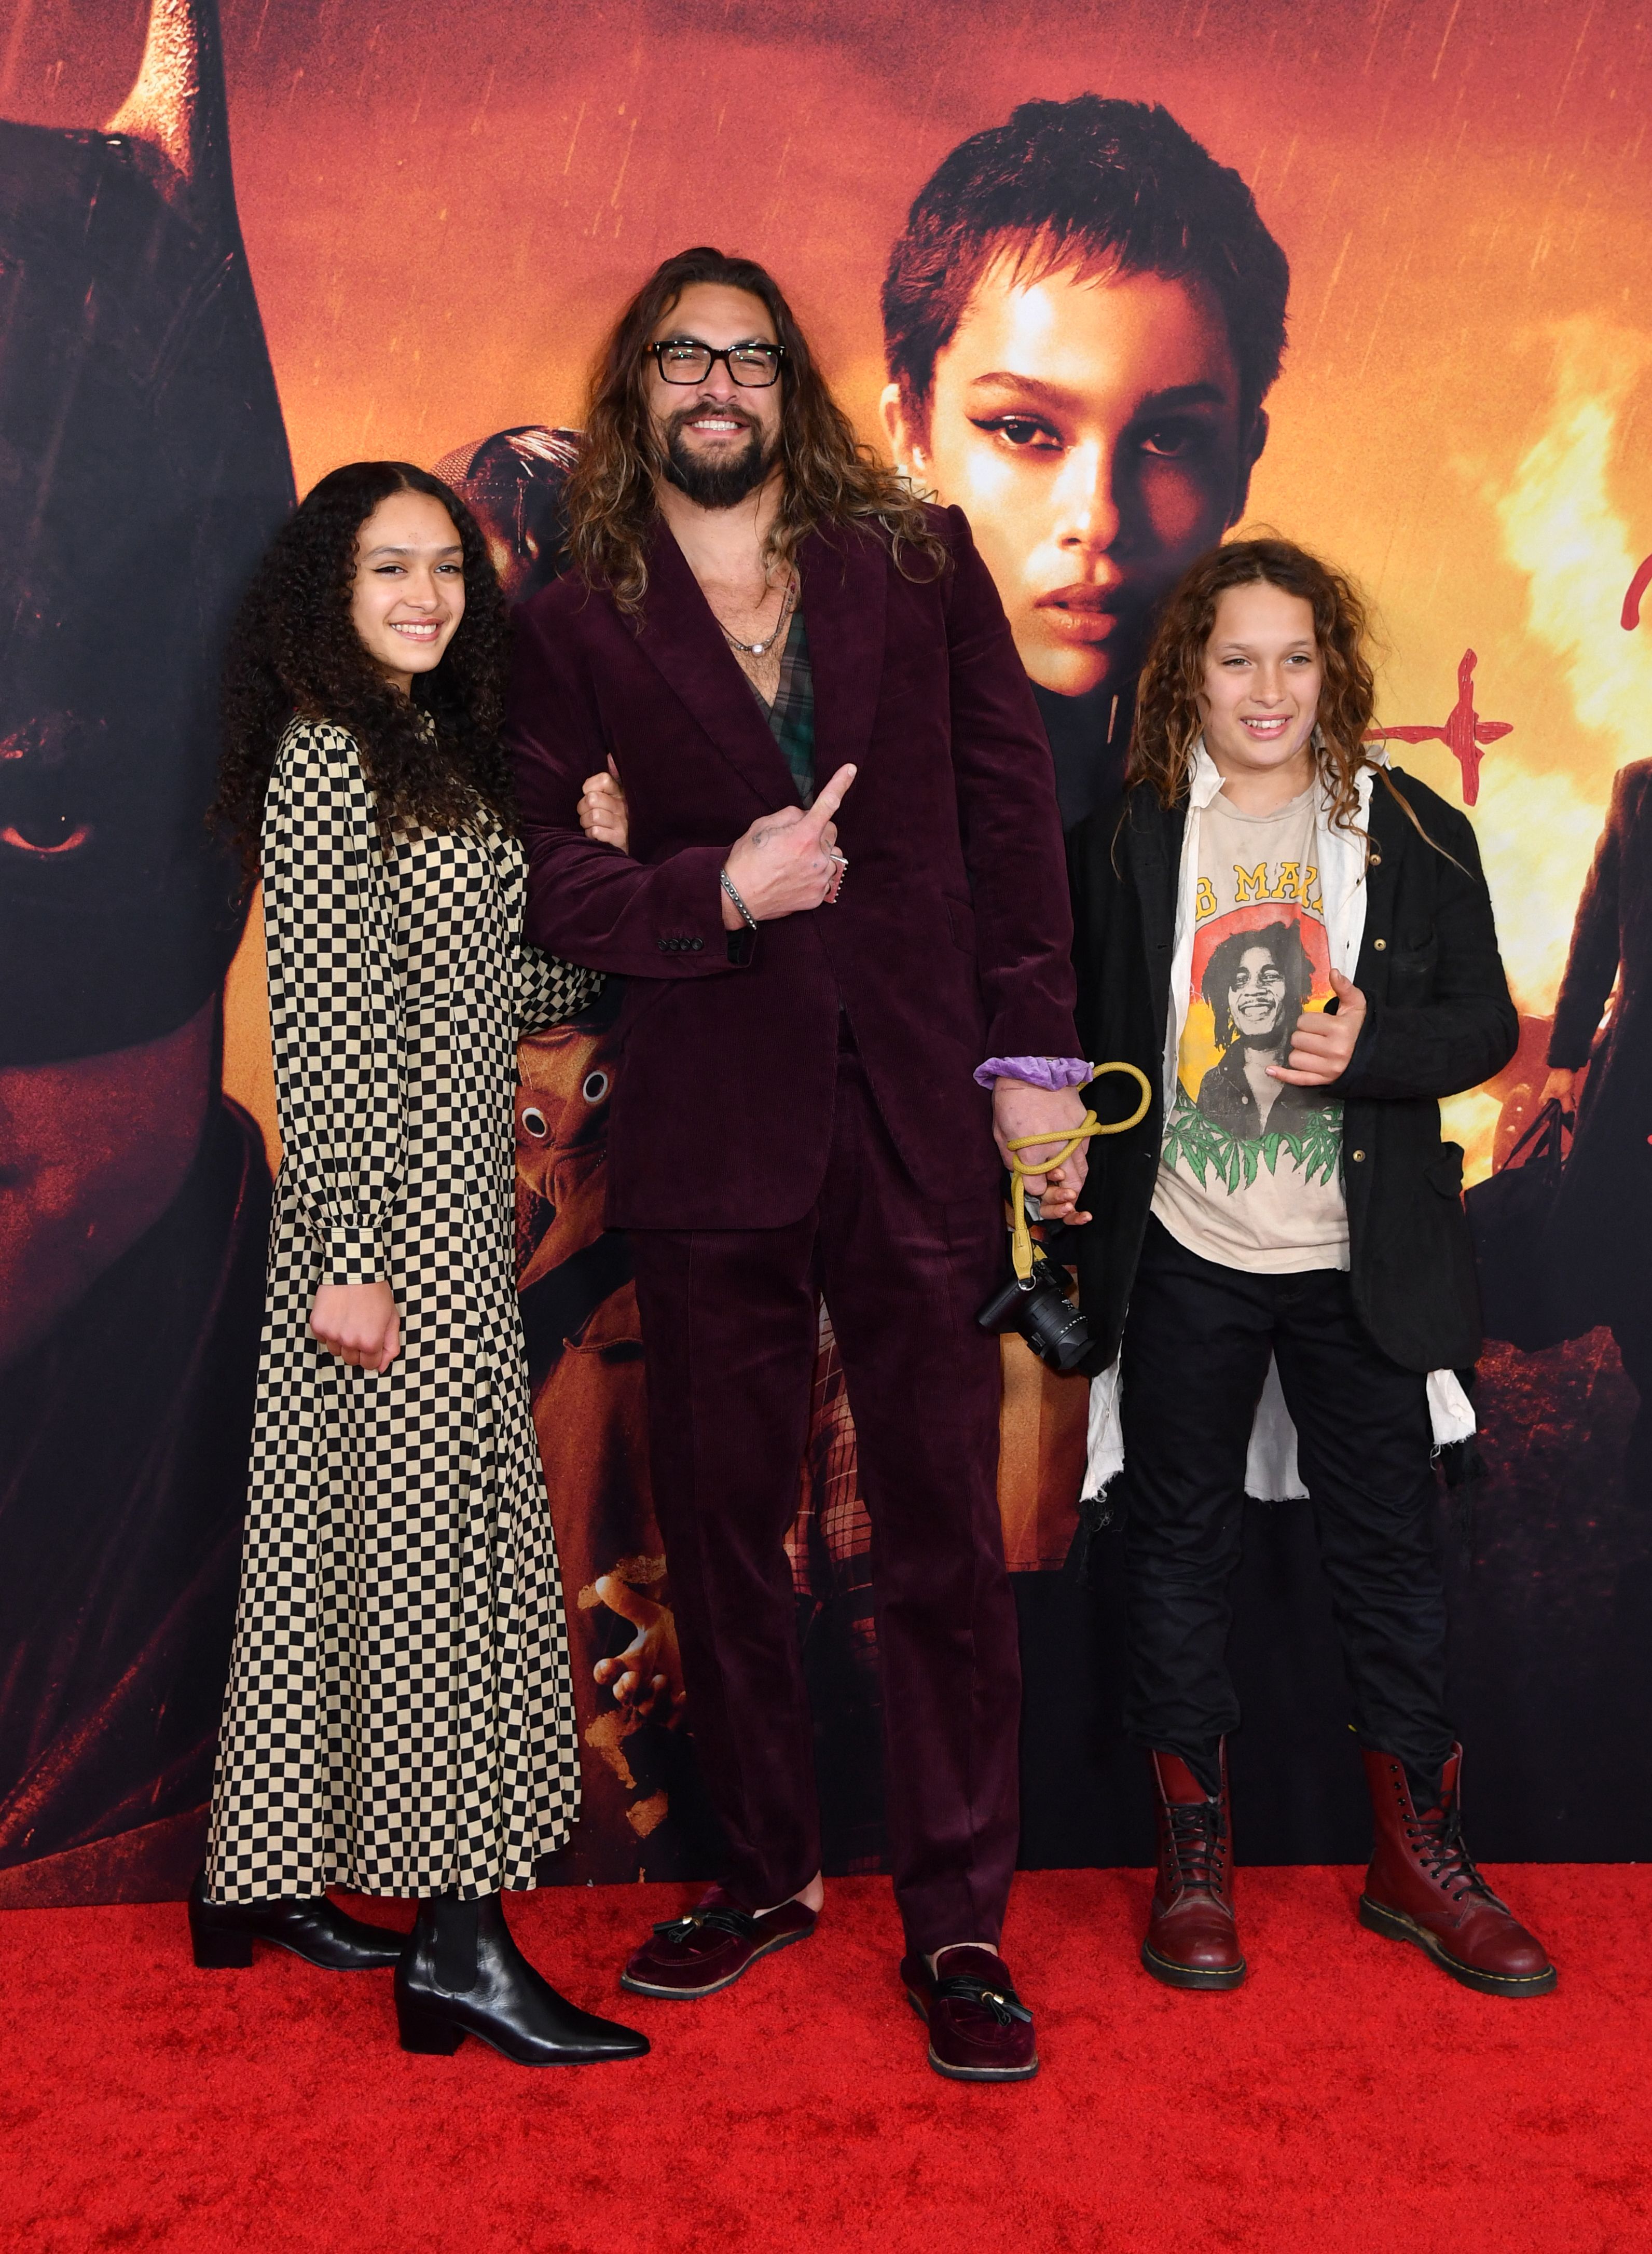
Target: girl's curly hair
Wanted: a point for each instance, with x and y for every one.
(1168, 721)
(832, 479)
(294, 651)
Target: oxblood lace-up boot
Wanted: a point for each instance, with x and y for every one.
(1193, 1941)
(1422, 1887)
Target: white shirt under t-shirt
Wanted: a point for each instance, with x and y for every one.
(1250, 1171)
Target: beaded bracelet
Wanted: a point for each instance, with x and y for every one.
(751, 920)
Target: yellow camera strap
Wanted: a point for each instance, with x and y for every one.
(1020, 1233)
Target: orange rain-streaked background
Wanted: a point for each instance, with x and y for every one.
(444, 202)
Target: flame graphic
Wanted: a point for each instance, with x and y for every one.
(1560, 529)
(1537, 829)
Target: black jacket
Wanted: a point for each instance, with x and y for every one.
(1438, 1019)
(1606, 1189)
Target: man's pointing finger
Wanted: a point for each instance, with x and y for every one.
(828, 800)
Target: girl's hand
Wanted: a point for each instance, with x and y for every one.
(604, 814)
(359, 1323)
(1321, 1045)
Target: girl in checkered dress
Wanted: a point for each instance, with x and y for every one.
(399, 1717)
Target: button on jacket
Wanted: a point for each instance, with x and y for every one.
(951, 940)
(1439, 1021)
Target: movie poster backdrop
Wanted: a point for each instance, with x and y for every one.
(429, 217)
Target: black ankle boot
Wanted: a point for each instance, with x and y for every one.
(310, 1926)
(462, 1975)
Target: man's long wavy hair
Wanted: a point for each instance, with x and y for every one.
(829, 479)
(294, 651)
(1168, 720)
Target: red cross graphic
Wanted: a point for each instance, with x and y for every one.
(1463, 732)
(1637, 587)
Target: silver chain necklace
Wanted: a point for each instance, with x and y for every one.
(757, 648)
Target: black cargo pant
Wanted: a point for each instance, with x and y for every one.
(1196, 1358)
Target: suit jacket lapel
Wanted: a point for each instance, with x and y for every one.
(845, 586)
(684, 642)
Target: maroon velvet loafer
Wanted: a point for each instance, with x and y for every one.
(979, 2028)
(709, 1947)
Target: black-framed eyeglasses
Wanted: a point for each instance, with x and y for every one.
(685, 360)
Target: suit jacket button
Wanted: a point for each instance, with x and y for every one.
(1359, 1157)
(1376, 860)
(1380, 945)
(694, 945)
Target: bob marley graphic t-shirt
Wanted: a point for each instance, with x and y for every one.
(1250, 1174)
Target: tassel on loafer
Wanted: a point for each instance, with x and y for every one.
(979, 2028)
(688, 1957)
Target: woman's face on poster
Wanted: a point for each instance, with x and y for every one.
(1090, 431)
(1257, 996)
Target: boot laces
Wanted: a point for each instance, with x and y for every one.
(1197, 1839)
(1436, 1841)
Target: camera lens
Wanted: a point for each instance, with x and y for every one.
(1056, 1331)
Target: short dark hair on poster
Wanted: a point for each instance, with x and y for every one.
(1092, 187)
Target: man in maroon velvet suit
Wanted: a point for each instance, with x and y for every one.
(824, 985)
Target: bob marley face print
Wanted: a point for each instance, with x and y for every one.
(1251, 1166)
(1257, 996)
(1255, 985)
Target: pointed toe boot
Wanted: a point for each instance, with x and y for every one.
(1422, 1887)
(222, 1934)
(1193, 1937)
(462, 1975)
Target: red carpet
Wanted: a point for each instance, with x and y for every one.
(1348, 2097)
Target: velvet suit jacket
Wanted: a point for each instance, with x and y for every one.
(951, 942)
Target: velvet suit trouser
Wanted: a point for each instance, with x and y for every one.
(730, 1329)
(1196, 1347)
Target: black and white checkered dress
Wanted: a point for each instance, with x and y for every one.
(399, 1719)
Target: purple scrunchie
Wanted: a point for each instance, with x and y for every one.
(1053, 1073)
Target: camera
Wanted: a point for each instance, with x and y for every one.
(1040, 1309)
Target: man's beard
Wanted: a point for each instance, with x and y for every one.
(715, 484)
